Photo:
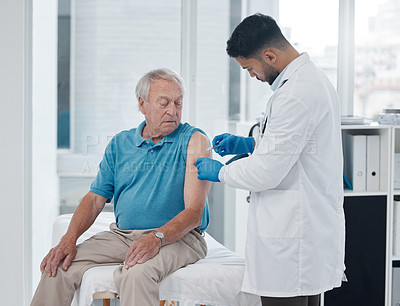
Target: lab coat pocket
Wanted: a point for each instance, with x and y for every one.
(278, 213)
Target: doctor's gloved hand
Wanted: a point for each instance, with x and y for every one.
(208, 169)
(225, 144)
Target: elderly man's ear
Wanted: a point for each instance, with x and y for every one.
(141, 106)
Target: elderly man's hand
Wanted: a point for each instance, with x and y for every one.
(142, 249)
(66, 250)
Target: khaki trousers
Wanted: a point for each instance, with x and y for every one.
(136, 286)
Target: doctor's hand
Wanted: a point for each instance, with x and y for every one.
(208, 169)
(225, 144)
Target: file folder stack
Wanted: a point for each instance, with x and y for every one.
(362, 161)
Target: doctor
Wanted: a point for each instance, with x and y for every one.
(296, 231)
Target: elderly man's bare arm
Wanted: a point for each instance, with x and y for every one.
(195, 194)
(84, 216)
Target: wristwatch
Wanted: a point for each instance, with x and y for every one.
(159, 235)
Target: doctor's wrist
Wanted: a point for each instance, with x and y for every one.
(221, 174)
(251, 144)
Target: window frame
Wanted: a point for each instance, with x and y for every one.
(345, 73)
(345, 67)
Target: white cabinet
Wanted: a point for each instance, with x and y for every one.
(369, 229)
(394, 260)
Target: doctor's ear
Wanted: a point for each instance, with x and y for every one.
(269, 56)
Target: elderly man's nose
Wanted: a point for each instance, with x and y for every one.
(171, 108)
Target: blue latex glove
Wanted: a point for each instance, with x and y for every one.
(208, 169)
(225, 144)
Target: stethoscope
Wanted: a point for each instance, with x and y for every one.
(258, 129)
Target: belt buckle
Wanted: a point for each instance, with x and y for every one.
(199, 231)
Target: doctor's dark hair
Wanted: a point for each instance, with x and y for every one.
(143, 86)
(253, 34)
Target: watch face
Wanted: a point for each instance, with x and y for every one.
(160, 236)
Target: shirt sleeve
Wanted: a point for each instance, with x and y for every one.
(103, 184)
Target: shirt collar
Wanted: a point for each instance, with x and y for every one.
(289, 70)
(274, 85)
(139, 140)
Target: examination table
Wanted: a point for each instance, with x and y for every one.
(215, 280)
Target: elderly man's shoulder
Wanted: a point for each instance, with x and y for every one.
(197, 140)
(122, 137)
(126, 133)
(199, 137)
(194, 133)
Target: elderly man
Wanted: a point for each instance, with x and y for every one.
(160, 206)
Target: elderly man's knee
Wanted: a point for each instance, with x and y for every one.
(137, 273)
(70, 276)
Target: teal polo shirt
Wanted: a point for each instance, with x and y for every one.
(146, 179)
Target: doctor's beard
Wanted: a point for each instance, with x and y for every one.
(270, 73)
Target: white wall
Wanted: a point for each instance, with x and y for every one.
(15, 148)
(45, 203)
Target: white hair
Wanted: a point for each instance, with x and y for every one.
(143, 86)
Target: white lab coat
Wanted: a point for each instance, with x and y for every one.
(296, 231)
